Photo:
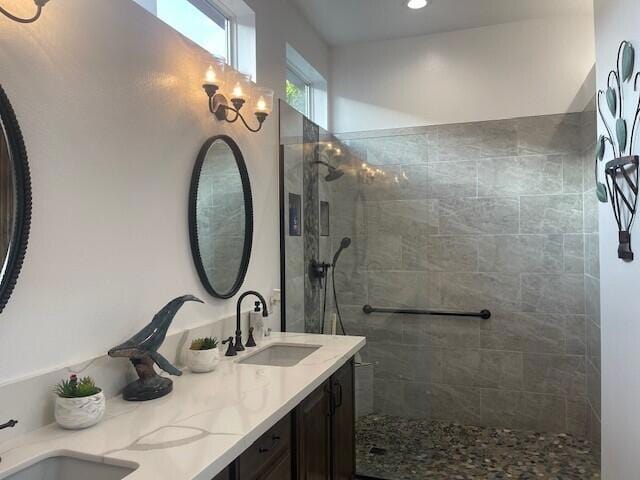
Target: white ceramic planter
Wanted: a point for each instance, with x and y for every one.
(203, 361)
(78, 413)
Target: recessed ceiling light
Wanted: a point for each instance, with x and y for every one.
(417, 4)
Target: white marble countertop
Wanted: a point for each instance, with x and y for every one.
(202, 426)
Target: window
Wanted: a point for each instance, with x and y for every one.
(199, 20)
(298, 92)
(226, 28)
(306, 88)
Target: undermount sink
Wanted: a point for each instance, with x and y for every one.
(67, 466)
(280, 355)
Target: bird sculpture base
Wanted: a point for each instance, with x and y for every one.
(149, 389)
(149, 386)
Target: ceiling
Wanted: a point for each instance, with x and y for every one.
(341, 22)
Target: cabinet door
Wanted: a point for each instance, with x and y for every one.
(224, 475)
(343, 434)
(281, 470)
(313, 457)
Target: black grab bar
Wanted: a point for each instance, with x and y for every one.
(484, 314)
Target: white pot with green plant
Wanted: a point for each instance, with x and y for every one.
(79, 403)
(203, 355)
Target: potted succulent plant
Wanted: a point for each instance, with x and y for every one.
(79, 403)
(203, 355)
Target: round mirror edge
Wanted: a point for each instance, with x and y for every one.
(22, 179)
(248, 207)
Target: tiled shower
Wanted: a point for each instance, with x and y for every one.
(498, 215)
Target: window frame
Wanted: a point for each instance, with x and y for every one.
(231, 26)
(239, 26)
(308, 89)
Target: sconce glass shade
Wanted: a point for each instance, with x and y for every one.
(240, 87)
(216, 73)
(263, 100)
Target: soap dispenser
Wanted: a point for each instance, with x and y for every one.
(256, 320)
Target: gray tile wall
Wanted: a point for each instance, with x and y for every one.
(490, 215)
(311, 224)
(591, 280)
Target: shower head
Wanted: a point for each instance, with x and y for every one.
(334, 173)
(346, 241)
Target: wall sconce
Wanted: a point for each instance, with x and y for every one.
(39, 5)
(621, 173)
(229, 91)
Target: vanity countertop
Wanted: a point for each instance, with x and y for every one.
(203, 425)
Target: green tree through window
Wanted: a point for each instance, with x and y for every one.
(297, 93)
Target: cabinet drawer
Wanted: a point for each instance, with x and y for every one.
(269, 448)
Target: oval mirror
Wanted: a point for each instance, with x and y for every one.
(15, 199)
(221, 216)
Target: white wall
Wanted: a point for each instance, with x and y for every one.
(278, 22)
(617, 20)
(113, 114)
(504, 71)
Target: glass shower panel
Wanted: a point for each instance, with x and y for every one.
(382, 204)
(305, 205)
(293, 268)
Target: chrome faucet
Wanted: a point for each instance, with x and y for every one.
(238, 345)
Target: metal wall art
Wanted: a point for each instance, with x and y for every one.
(620, 173)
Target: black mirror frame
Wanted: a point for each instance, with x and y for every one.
(22, 179)
(248, 213)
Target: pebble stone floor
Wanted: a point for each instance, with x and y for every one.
(422, 449)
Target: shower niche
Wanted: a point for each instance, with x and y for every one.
(325, 228)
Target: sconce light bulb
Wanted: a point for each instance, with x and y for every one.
(237, 91)
(364, 165)
(261, 105)
(338, 151)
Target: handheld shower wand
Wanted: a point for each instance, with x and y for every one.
(344, 244)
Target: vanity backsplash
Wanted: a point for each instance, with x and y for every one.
(30, 400)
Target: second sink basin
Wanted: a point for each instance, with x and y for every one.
(280, 355)
(66, 466)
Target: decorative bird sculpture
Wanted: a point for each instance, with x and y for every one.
(142, 351)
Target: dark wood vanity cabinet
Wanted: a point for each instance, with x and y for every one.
(313, 435)
(269, 455)
(316, 441)
(325, 430)
(224, 475)
(343, 419)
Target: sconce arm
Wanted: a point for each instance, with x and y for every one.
(39, 5)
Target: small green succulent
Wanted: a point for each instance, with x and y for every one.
(206, 343)
(77, 388)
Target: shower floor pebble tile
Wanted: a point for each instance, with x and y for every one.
(420, 449)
